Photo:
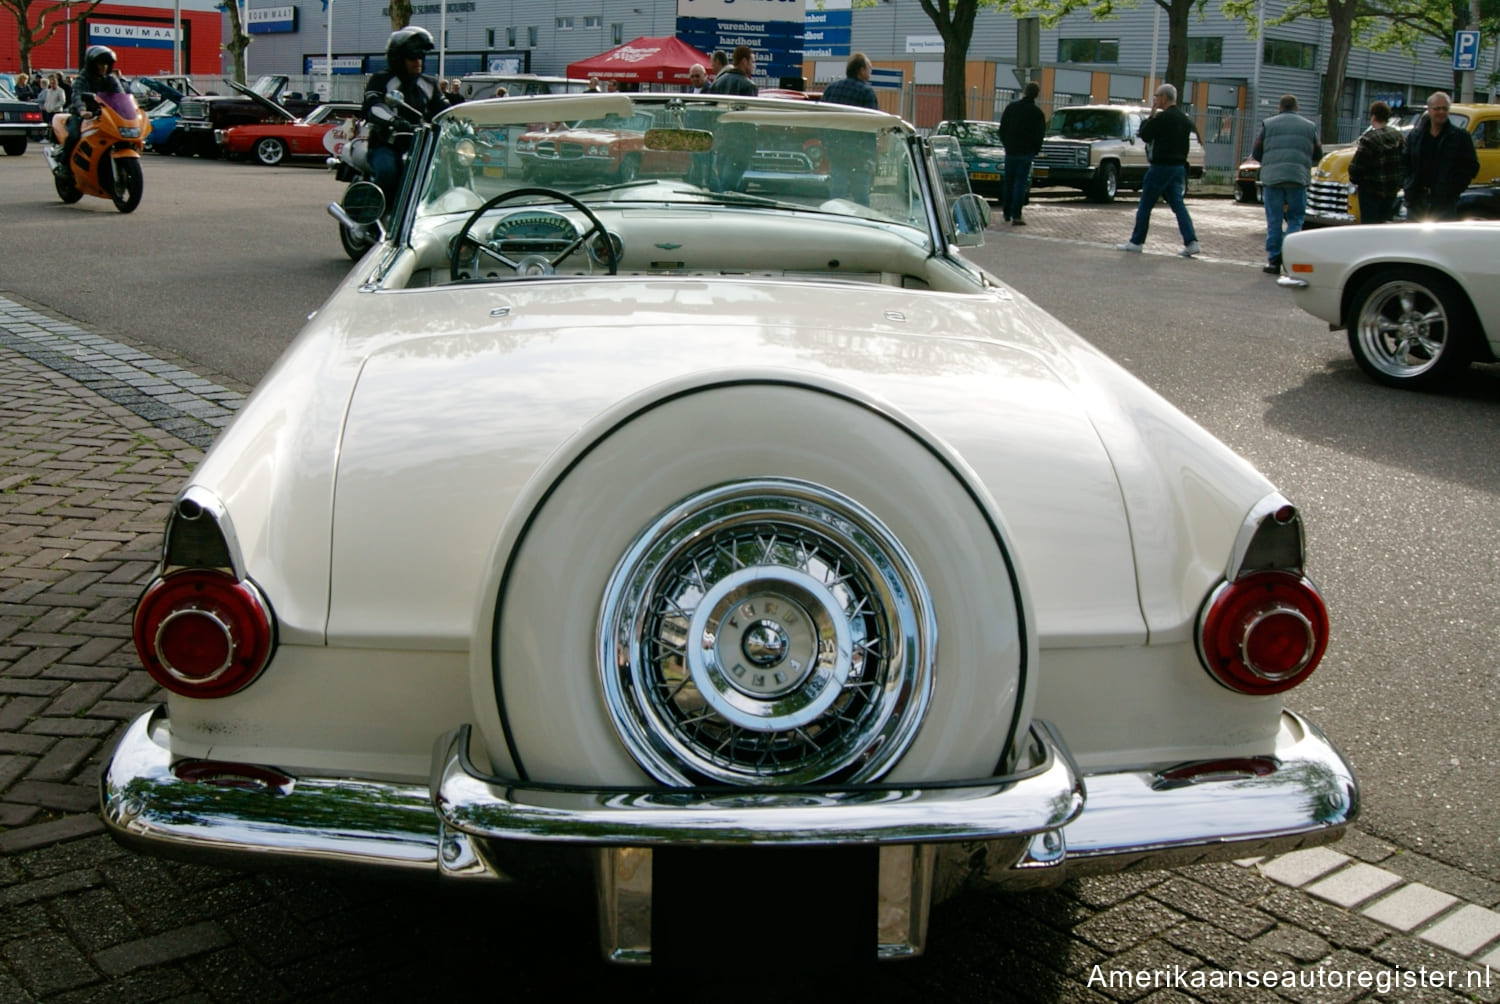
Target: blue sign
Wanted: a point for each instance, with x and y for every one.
(1466, 50)
(890, 79)
(777, 44)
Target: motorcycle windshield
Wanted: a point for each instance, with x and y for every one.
(121, 104)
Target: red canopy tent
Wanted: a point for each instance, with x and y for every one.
(644, 61)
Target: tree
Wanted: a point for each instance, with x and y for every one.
(38, 20)
(954, 20)
(1179, 13)
(400, 14)
(1437, 20)
(239, 40)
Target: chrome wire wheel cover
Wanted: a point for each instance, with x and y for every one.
(766, 632)
(1403, 328)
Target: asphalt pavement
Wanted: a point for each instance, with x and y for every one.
(96, 437)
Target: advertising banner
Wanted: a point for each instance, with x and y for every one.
(271, 20)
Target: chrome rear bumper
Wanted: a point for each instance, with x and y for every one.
(1038, 824)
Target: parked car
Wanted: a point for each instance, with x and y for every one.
(477, 86)
(1096, 149)
(1247, 181)
(200, 116)
(1480, 202)
(271, 143)
(607, 147)
(757, 540)
(1418, 301)
(163, 116)
(20, 121)
(983, 153)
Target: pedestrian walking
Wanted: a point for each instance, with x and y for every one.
(1022, 127)
(855, 89)
(1287, 148)
(1440, 163)
(1376, 166)
(1168, 137)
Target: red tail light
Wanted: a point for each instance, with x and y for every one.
(31, 116)
(202, 633)
(1263, 633)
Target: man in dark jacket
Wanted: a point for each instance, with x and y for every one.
(1376, 166)
(1022, 127)
(1168, 135)
(1440, 163)
(98, 77)
(736, 77)
(393, 98)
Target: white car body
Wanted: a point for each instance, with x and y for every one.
(1420, 301)
(478, 510)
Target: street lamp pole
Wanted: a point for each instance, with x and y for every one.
(328, 66)
(443, 39)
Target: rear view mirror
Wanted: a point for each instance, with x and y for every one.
(364, 202)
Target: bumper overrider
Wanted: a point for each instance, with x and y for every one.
(1034, 827)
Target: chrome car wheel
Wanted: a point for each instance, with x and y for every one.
(766, 632)
(270, 151)
(1408, 330)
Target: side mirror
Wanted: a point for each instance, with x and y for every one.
(364, 202)
(971, 215)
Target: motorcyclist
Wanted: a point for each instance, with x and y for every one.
(391, 124)
(98, 77)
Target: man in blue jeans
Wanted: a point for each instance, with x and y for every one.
(1022, 128)
(1167, 135)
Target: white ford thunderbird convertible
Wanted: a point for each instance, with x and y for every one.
(715, 523)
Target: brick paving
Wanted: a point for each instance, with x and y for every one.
(95, 439)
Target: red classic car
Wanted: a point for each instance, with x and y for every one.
(612, 147)
(272, 143)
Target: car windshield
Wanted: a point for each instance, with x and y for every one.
(1082, 123)
(670, 149)
(973, 133)
(6, 94)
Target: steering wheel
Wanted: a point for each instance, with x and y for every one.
(537, 264)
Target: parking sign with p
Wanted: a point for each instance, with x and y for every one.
(1466, 50)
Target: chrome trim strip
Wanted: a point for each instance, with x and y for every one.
(1287, 282)
(1042, 799)
(1310, 789)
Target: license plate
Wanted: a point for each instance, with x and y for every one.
(494, 172)
(1039, 172)
(984, 176)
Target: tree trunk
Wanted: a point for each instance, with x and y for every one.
(955, 22)
(1178, 12)
(238, 42)
(400, 14)
(1341, 16)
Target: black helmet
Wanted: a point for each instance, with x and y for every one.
(95, 55)
(406, 44)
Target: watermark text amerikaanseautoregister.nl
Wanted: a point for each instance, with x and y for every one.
(1381, 979)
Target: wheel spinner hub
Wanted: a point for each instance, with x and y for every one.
(766, 632)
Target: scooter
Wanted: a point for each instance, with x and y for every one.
(106, 163)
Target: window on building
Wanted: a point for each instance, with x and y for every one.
(1088, 50)
(1206, 49)
(617, 33)
(1297, 55)
(531, 34)
(489, 38)
(565, 24)
(510, 38)
(592, 20)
